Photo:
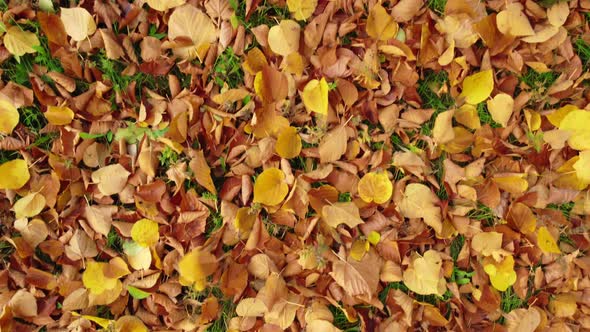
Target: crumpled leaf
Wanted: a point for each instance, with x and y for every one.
(189, 21)
(302, 9)
(270, 187)
(20, 42)
(375, 187)
(8, 117)
(502, 274)
(423, 276)
(283, 38)
(478, 87)
(78, 22)
(420, 202)
(315, 96)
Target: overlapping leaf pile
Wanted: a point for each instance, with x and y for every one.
(302, 165)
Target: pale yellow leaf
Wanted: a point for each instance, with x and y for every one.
(78, 23)
(20, 42)
(420, 202)
(9, 117)
(423, 276)
(29, 206)
(442, 132)
(111, 179)
(302, 9)
(341, 213)
(15, 174)
(500, 108)
(283, 38)
(189, 21)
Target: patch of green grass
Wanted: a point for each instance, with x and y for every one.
(439, 173)
(32, 118)
(6, 249)
(104, 311)
(485, 117)
(341, 322)
(565, 208)
(214, 222)
(344, 197)
(153, 32)
(437, 6)
(45, 141)
(265, 13)
(168, 157)
(114, 241)
(428, 89)
(583, 51)
(228, 69)
(484, 214)
(461, 277)
(538, 82)
(456, 246)
(18, 71)
(275, 230)
(510, 301)
(6, 155)
(44, 58)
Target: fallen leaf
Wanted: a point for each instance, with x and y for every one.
(145, 232)
(189, 21)
(283, 38)
(380, 25)
(442, 132)
(375, 187)
(500, 108)
(164, 5)
(8, 117)
(59, 115)
(478, 87)
(288, 143)
(202, 171)
(333, 145)
(111, 179)
(423, 276)
(341, 213)
(575, 124)
(29, 206)
(302, 9)
(315, 96)
(546, 242)
(195, 267)
(512, 21)
(270, 187)
(502, 274)
(563, 305)
(130, 324)
(23, 304)
(77, 22)
(420, 202)
(20, 42)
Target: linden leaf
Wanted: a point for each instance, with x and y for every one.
(94, 278)
(381, 25)
(563, 305)
(251, 307)
(442, 132)
(575, 122)
(8, 117)
(111, 179)
(202, 171)
(420, 202)
(423, 275)
(288, 143)
(164, 5)
(333, 145)
(139, 257)
(29, 206)
(582, 167)
(130, 324)
(513, 22)
(15, 174)
(478, 87)
(546, 242)
(145, 232)
(189, 21)
(270, 187)
(342, 213)
(195, 267)
(302, 9)
(374, 237)
(283, 38)
(513, 184)
(315, 96)
(522, 218)
(502, 274)
(59, 115)
(20, 42)
(375, 187)
(500, 108)
(78, 23)
(358, 249)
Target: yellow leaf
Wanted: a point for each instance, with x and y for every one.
(420, 202)
(111, 179)
(563, 305)
(556, 117)
(500, 108)
(251, 307)
(546, 242)
(245, 218)
(164, 5)
(533, 119)
(359, 248)
(333, 145)
(487, 243)
(569, 176)
(283, 38)
(294, 63)
(501, 274)
(29, 206)
(558, 13)
(513, 22)
(255, 61)
(341, 213)
(442, 132)
(15, 174)
(478, 87)
(302, 9)
(78, 23)
(139, 257)
(515, 185)
(102, 322)
(8, 117)
(544, 34)
(463, 139)
(59, 115)
(195, 267)
(145, 232)
(20, 42)
(381, 25)
(575, 122)
(522, 217)
(423, 275)
(582, 167)
(130, 324)
(375, 187)
(202, 171)
(315, 96)
(288, 143)
(467, 116)
(374, 237)
(95, 280)
(270, 187)
(189, 21)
